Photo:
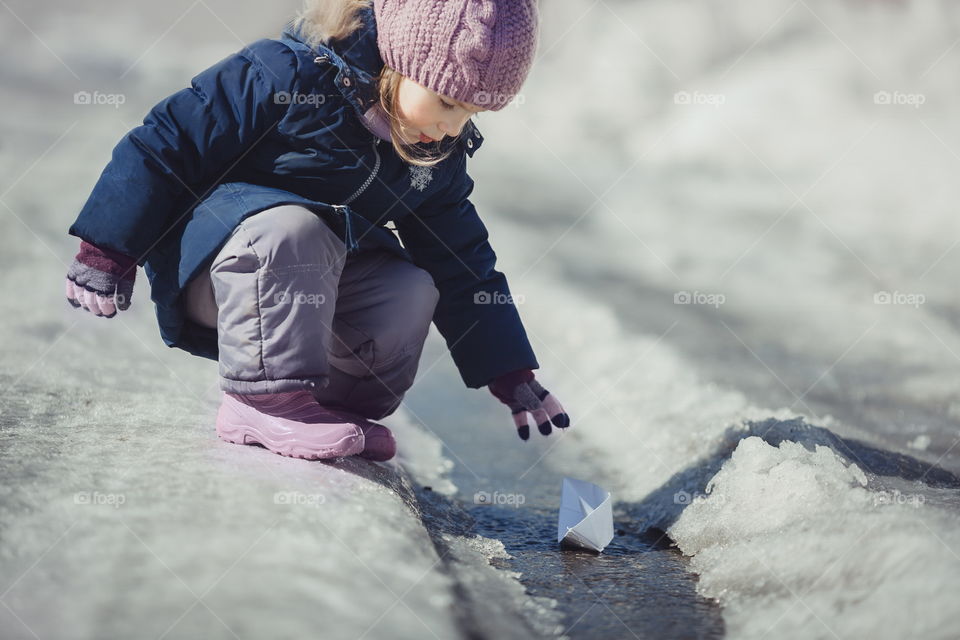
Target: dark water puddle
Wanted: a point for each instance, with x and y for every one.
(639, 587)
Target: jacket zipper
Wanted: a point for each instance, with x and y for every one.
(345, 211)
(373, 174)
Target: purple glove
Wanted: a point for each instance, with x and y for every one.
(101, 280)
(522, 393)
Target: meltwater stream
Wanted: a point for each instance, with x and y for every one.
(639, 586)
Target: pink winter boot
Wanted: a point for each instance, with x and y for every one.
(378, 444)
(292, 424)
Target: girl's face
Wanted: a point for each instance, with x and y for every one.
(427, 116)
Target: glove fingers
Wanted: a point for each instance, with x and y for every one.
(556, 411)
(71, 294)
(523, 429)
(543, 421)
(124, 295)
(95, 303)
(82, 298)
(107, 306)
(90, 299)
(99, 299)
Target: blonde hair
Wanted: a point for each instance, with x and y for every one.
(323, 21)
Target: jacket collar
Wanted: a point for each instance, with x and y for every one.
(358, 62)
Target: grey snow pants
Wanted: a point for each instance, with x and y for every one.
(290, 306)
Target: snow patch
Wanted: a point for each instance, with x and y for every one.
(792, 538)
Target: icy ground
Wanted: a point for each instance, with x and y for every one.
(791, 424)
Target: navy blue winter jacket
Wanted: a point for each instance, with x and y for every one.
(279, 123)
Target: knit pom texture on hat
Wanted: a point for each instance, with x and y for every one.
(474, 51)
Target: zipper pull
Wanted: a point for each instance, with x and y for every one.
(350, 242)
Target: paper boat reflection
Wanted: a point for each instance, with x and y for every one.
(586, 515)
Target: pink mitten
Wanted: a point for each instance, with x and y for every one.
(100, 280)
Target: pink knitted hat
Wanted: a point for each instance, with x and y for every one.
(475, 51)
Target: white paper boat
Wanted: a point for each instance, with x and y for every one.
(586, 515)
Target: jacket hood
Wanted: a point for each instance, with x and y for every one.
(359, 50)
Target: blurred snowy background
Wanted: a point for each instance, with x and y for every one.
(733, 228)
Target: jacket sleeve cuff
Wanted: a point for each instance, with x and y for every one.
(485, 352)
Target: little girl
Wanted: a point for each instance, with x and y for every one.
(257, 202)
